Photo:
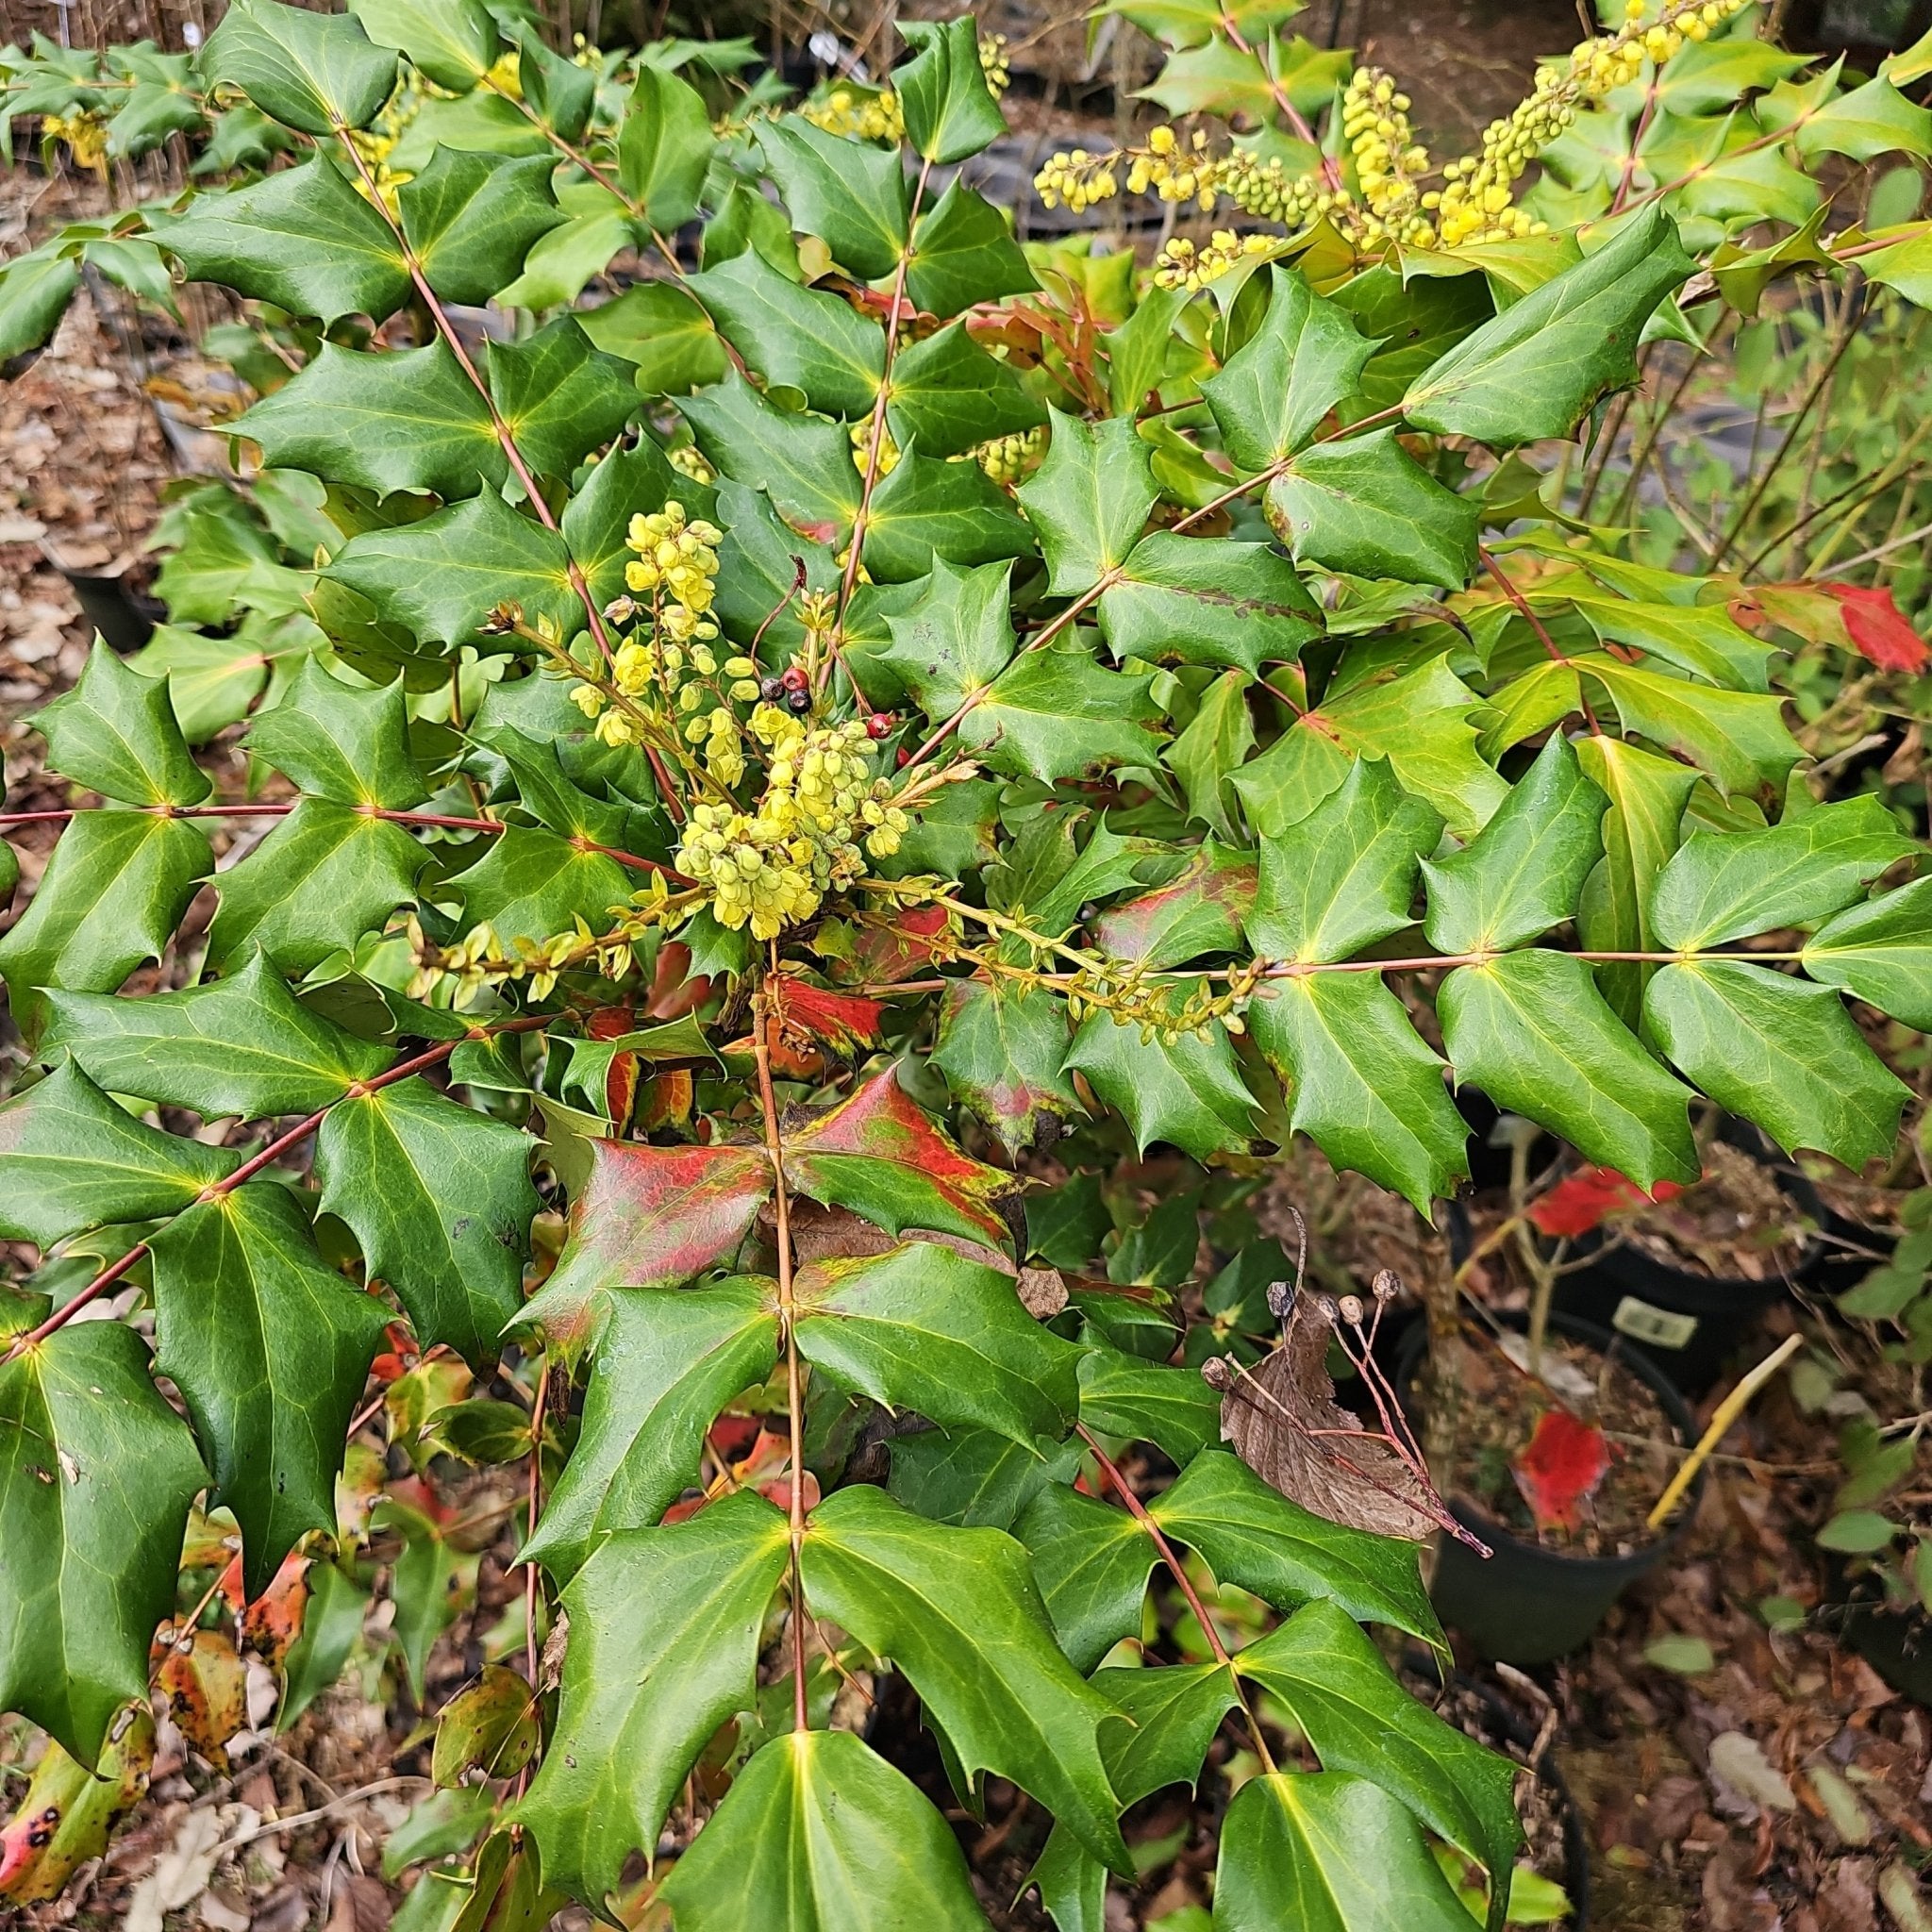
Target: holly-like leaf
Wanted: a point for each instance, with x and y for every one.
(1534, 1033)
(948, 394)
(852, 197)
(1205, 600)
(325, 876)
(96, 1473)
(1090, 1562)
(950, 111)
(1253, 1536)
(336, 741)
(115, 733)
(301, 237)
(70, 1812)
(35, 289)
(955, 640)
(1218, 737)
(71, 1158)
(803, 462)
(964, 252)
(1088, 499)
(453, 41)
(556, 88)
(1725, 886)
(1702, 639)
(270, 1350)
(1275, 389)
(666, 1362)
(956, 1611)
(1199, 910)
(1881, 952)
(1539, 367)
(1878, 629)
(1522, 873)
(314, 72)
(1866, 122)
(1172, 1409)
(1056, 713)
(1347, 1703)
(799, 338)
(928, 510)
(558, 395)
(664, 1628)
(972, 1477)
(1328, 1852)
(109, 899)
(439, 1198)
(471, 217)
(924, 1328)
(1366, 508)
(243, 1045)
(1779, 1052)
(531, 884)
(1739, 736)
(1000, 1046)
(664, 147)
(403, 419)
(819, 1833)
(1188, 1092)
(879, 1155)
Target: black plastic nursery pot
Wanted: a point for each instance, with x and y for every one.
(1526, 1603)
(1896, 1643)
(125, 617)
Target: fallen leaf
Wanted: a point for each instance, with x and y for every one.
(1738, 1765)
(1559, 1468)
(1688, 1656)
(180, 1875)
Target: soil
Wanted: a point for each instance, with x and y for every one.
(1736, 1224)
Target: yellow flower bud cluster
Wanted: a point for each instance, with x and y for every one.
(861, 445)
(1166, 166)
(1388, 161)
(861, 113)
(84, 131)
(1181, 265)
(689, 460)
(771, 868)
(676, 563)
(1009, 460)
(993, 63)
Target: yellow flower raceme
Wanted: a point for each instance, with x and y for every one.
(85, 133)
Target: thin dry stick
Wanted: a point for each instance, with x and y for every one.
(1729, 1410)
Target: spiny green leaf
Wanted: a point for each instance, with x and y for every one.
(1328, 1852)
(1172, 1409)
(301, 237)
(1343, 877)
(336, 741)
(35, 289)
(956, 1611)
(956, 640)
(314, 72)
(1881, 952)
(531, 884)
(950, 111)
(928, 510)
(972, 1477)
(664, 332)
(111, 898)
(1867, 121)
(948, 394)
(802, 338)
(851, 196)
(115, 733)
(1055, 713)
(96, 1473)
(403, 419)
(664, 1629)
(1521, 874)
(453, 41)
(803, 462)
(1542, 363)
(964, 252)
(664, 147)
(1205, 600)
(270, 1350)
(1218, 737)
(439, 1200)
(1088, 499)
(1534, 1033)
(242, 1045)
(1702, 639)
(1000, 1046)
(924, 1328)
(624, 483)
(561, 94)
(323, 877)
(1727, 886)
(1199, 910)
(666, 1362)
(1346, 1702)
(1779, 1052)
(1274, 390)
(71, 1158)
(1090, 1562)
(1368, 508)
(1739, 738)
(819, 1833)
(558, 396)
(1190, 1095)
(1193, 23)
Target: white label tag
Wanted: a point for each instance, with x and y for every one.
(1659, 1327)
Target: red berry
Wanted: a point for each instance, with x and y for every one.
(794, 680)
(879, 725)
(904, 759)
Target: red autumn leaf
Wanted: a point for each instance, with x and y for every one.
(842, 1020)
(731, 1435)
(1560, 1469)
(207, 1687)
(1198, 912)
(883, 956)
(274, 1619)
(1879, 628)
(1581, 1201)
(665, 1100)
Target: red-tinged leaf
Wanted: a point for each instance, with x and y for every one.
(842, 1020)
(665, 1100)
(1200, 910)
(68, 1812)
(648, 1217)
(610, 1023)
(274, 1619)
(732, 1436)
(779, 1491)
(792, 1058)
(206, 1688)
(1879, 628)
(673, 991)
(880, 1155)
(1560, 1469)
(1806, 610)
(1584, 1199)
(883, 956)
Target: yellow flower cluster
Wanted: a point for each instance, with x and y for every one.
(689, 460)
(1374, 123)
(875, 114)
(676, 561)
(1181, 265)
(84, 131)
(1167, 166)
(773, 867)
(1009, 460)
(862, 444)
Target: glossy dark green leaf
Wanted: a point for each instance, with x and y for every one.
(950, 111)
(819, 1833)
(664, 147)
(803, 462)
(453, 41)
(964, 252)
(956, 640)
(794, 337)
(1203, 756)
(927, 510)
(924, 1328)
(1189, 1093)
(1139, 1401)
(664, 1629)
(1088, 499)
(1881, 951)
(270, 1350)
(115, 733)
(334, 741)
(35, 289)
(556, 88)
(956, 1611)
(972, 1477)
(666, 1363)
(531, 884)
(851, 196)
(664, 332)
(439, 1200)
(1090, 1562)
(1534, 1033)
(314, 72)
(558, 396)
(1056, 713)
(1205, 600)
(1000, 1046)
(96, 1474)
(1779, 1051)
(1536, 368)
(1306, 358)
(1366, 508)
(71, 1158)
(949, 394)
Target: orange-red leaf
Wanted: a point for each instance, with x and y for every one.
(883, 956)
(1580, 1201)
(1879, 627)
(842, 1020)
(206, 1688)
(274, 1619)
(1560, 1469)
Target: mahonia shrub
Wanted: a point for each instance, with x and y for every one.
(758, 756)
